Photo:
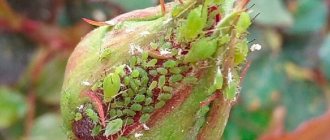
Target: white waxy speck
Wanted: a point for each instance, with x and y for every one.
(255, 47)
(144, 33)
(134, 48)
(80, 107)
(179, 51)
(164, 52)
(145, 127)
(129, 68)
(136, 135)
(129, 30)
(230, 77)
(167, 21)
(111, 22)
(85, 83)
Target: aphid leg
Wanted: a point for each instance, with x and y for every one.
(162, 5)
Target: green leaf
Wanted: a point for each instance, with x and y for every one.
(243, 23)
(311, 14)
(48, 127)
(201, 49)
(113, 127)
(267, 17)
(193, 26)
(111, 86)
(12, 106)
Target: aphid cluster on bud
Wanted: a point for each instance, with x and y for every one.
(194, 37)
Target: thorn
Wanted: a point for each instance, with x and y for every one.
(162, 5)
(95, 23)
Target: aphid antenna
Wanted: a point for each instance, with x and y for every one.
(252, 41)
(253, 19)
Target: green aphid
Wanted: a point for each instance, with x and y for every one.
(193, 26)
(96, 130)
(167, 89)
(129, 112)
(144, 81)
(162, 71)
(174, 52)
(118, 104)
(148, 109)
(129, 121)
(148, 101)
(164, 96)
(144, 118)
(120, 70)
(127, 80)
(133, 61)
(127, 100)
(167, 45)
(111, 86)
(161, 81)
(149, 93)
(134, 86)
(119, 113)
(153, 85)
(130, 92)
(176, 78)
(170, 64)
(137, 82)
(136, 107)
(151, 63)
(96, 86)
(153, 46)
(124, 93)
(153, 73)
(78, 116)
(142, 72)
(142, 90)
(135, 73)
(201, 50)
(139, 98)
(144, 55)
(243, 23)
(113, 127)
(160, 104)
(92, 115)
(190, 80)
(113, 112)
(175, 70)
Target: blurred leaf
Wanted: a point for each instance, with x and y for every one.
(12, 106)
(48, 127)
(246, 125)
(268, 77)
(130, 5)
(15, 53)
(50, 81)
(325, 57)
(303, 100)
(272, 13)
(310, 17)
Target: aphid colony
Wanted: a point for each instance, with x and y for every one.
(135, 89)
(130, 92)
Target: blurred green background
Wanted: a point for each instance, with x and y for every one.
(287, 86)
